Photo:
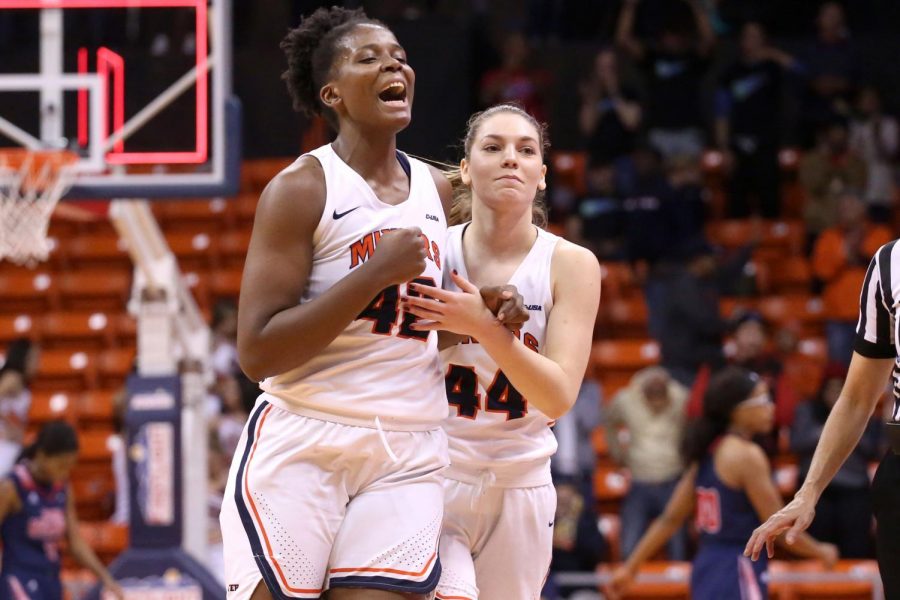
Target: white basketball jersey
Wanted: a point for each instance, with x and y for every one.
(490, 424)
(378, 366)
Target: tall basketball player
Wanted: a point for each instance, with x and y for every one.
(505, 391)
(37, 513)
(336, 483)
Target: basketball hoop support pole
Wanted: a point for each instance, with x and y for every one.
(173, 341)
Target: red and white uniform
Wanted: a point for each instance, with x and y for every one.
(337, 477)
(499, 499)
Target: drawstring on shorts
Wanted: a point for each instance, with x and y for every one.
(384, 441)
(485, 481)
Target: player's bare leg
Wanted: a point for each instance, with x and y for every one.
(261, 592)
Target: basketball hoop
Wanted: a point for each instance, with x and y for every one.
(31, 183)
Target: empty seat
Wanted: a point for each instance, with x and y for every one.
(671, 581)
(611, 528)
(78, 330)
(625, 316)
(614, 362)
(114, 366)
(209, 215)
(15, 326)
(107, 539)
(101, 250)
(192, 250)
(611, 484)
(775, 238)
(95, 446)
(52, 406)
(225, 284)
(95, 290)
(617, 280)
(570, 169)
(789, 274)
(125, 328)
(232, 247)
(94, 495)
(97, 408)
(64, 370)
(803, 308)
(848, 580)
(27, 291)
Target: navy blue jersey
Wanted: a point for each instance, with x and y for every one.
(31, 536)
(725, 521)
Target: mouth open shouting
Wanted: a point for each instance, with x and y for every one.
(394, 95)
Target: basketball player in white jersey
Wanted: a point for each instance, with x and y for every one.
(336, 484)
(505, 391)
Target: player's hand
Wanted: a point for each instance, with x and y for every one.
(828, 554)
(399, 257)
(622, 577)
(463, 312)
(507, 304)
(793, 518)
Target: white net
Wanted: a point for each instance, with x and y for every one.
(31, 183)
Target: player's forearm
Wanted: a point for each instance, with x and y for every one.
(539, 379)
(291, 337)
(84, 556)
(843, 429)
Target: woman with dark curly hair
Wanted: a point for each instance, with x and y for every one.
(336, 482)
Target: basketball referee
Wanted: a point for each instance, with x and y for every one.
(876, 356)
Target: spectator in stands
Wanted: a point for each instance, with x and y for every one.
(686, 203)
(516, 80)
(874, 138)
(674, 68)
(691, 328)
(575, 457)
(840, 257)
(224, 338)
(578, 545)
(610, 115)
(651, 410)
(832, 67)
(844, 511)
(596, 221)
(748, 123)
(37, 513)
(16, 373)
(826, 173)
(752, 350)
(661, 209)
(230, 422)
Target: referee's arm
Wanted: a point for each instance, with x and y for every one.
(870, 367)
(873, 359)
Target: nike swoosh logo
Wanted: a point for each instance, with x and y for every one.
(336, 215)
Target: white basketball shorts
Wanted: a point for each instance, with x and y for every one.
(312, 505)
(497, 543)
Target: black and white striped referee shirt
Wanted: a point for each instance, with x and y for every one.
(877, 334)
